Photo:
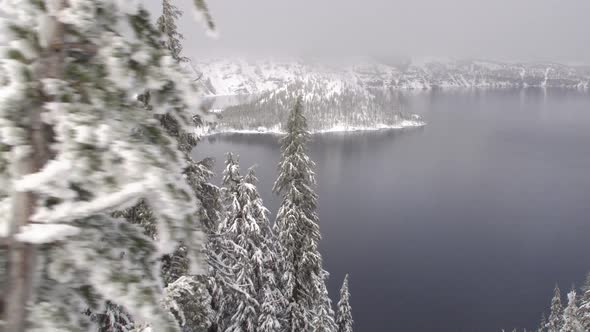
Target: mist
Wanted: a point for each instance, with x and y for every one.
(526, 30)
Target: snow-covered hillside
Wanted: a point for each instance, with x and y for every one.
(329, 107)
(238, 76)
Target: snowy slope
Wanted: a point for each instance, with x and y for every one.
(238, 76)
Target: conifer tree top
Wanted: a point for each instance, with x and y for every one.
(555, 321)
(295, 167)
(298, 233)
(344, 314)
(167, 25)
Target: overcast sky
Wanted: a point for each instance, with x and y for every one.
(547, 30)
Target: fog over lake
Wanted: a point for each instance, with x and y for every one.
(463, 225)
(531, 30)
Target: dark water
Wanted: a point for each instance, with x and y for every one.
(464, 225)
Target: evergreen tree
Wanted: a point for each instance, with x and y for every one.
(238, 226)
(571, 315)
(77, 145)
(247, 227)
(187, 298)
(323, 320)
(113, 319)
(585, 303)
(542, 324)
(267, 263)
(217, 250)
(344, 314)
(555, 322)
(167, 25)
(175, 267)
(176, 264)
(297, 229)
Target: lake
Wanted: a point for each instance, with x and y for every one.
(463, 225)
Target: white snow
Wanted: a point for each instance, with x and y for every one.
(45, 233)
(53, 169)
(335, 129)
(70, 211)
(240, 76)
(141, 57)
(5, 213)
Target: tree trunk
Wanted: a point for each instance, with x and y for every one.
(21, 265)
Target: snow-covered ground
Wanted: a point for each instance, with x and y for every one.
(341, 128)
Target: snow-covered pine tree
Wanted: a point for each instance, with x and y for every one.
(585, 303)
(242, 230)
(571, 315)
(266, 264)
(344, 313)
(113, 319)
(217, 249)
(167, 25)
(543, 324)
(555, 322)
(219, 252)
(297, 228)
(76, 145)
(253, 298)
(323, 320)
(175, 266)
(185, 299)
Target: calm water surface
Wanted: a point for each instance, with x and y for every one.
(464, 225)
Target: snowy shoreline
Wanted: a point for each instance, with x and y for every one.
(336, 129)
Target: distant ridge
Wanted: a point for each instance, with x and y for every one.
(239, 76)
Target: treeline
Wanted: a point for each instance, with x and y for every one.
(571, 314)
(567, 314)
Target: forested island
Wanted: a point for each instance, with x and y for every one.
(336, 108)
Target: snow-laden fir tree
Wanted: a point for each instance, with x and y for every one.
(297, 228)
(267, 266)
(113, 319)
(344, 312)
(571, 315)
(186, 299)
(247, 227)
(323, 320)
(543, 324)
(76, 145)
(176, 264)
(195, 299)
(585, 303)
(218, 251)
(555, 322)
(167, 25)
(240, 298)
